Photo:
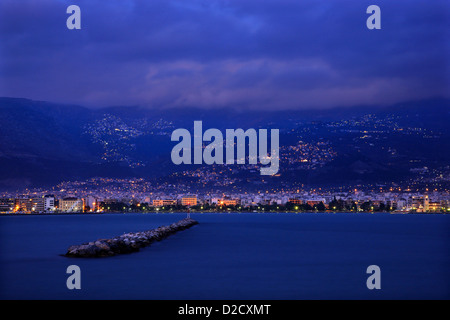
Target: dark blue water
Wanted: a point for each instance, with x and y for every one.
(231, 256)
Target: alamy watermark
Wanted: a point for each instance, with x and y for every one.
(235, 140)
(374, 20)
(374, 280)
(74, 20)
(74, 280)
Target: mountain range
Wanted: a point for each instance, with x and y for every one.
(44, 143)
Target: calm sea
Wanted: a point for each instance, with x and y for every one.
(231, 256)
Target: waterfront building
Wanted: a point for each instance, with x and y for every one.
(37, 204)
(190, 200)
(426, 203)
(416, 203)
(71, 204)
(49, 203)
(295, 201)
(92, 203)
(228, 202)
(401, 204)
(23, 204)
(7, 204)
(434, 206)
(164, 202)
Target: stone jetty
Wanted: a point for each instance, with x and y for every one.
(128, 242)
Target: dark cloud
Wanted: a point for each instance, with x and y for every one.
(240, 53)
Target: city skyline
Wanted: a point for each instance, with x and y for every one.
(352, 201)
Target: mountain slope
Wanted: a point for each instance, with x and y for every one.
(43, 143)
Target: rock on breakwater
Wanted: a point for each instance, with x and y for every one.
(128, 242)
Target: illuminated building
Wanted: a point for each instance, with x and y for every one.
(6, 204)
(415, 203)
(23, 204)
(228, 202)
(163, 202)
(71, 204)
(426, 203)
(49, 203)
(37, 204)
(295, 201)
(92, 203)
(189, 201)
(434, 206)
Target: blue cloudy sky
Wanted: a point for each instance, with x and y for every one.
(267, 54)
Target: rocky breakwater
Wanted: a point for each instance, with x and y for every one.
(128, 242)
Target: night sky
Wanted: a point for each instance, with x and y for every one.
(255, 54)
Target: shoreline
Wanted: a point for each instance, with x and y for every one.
(214, 212)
